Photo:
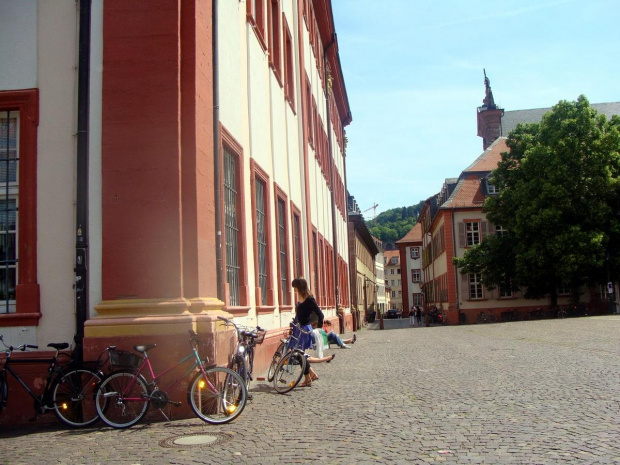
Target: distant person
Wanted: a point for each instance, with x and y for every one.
(412, 316)
(418, 315)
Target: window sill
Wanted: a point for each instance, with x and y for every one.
(264, 310)
(238, 311)
(19, 319)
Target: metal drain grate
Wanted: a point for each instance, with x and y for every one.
(186, 441)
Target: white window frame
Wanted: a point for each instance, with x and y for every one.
(476, 291)
(472, 233)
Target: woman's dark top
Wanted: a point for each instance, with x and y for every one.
(305, 310)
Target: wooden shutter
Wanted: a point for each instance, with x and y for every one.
(462, 239)
(465, 286)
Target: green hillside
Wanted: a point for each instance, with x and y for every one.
(392, 225)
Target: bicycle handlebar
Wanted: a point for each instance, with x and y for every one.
(21, 348)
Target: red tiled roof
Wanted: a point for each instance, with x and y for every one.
(490, 157)
(468, 193)
(414, 234)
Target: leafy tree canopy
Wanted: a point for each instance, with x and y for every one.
(559, 199)
(392, 225)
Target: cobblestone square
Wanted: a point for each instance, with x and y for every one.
(536, 392)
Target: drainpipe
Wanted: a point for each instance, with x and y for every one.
(216, 155)
(456, 273)
(81, 216)
(331, 176)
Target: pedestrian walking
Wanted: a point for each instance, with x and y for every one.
(412, 316)
(418, 315)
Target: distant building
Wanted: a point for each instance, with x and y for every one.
(382, 299)
(494, 122)
(452, 221)
(362, 268)
(410, 248)
(391, 260)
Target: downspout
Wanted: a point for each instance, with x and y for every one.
(216, 155)
(81, 214)
(456, 273)
(331, 176)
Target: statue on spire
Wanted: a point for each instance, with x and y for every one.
(488, 103)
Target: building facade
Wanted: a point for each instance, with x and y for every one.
(410, 250)
(363, 274)
(382, 299)
(208, 170)
(393, 279)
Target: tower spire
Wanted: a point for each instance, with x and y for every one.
(488, 103)
(489, 116)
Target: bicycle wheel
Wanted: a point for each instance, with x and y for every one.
(73, 397)
(480, 319)
(218, 398)
(492, 318)
(274, 362)
(122, 399)
(238, 367)
(289, 371)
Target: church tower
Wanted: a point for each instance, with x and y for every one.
(489, 116)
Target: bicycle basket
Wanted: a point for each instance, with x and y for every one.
(124, 359)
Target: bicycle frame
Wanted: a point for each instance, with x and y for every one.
(155, 378)
(52, 369)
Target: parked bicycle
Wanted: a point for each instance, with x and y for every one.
(277, 355)
(486, 317)
(217, 395)
(292, 364)
(575, 310)
(242, 361)
(70, 386)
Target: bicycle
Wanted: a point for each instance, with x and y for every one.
(277, 356)
(69, 388)
(243, 360)
(217, 395)
(292, 365)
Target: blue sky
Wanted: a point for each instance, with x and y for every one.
(413, 73)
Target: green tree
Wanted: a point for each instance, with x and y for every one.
(559, 200)
(391, 225)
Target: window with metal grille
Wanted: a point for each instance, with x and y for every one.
(261, 239)
(9, 190)
(315, 253)
(231, 216)
(297, 244)
(283, 251)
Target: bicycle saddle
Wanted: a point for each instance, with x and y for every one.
(58, 345)
(145, 347)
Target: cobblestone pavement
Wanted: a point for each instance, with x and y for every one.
(539, 392)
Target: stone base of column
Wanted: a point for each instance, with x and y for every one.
(126, 323)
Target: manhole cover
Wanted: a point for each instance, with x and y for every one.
(195, 440)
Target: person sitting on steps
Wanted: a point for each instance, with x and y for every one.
(333, 338)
